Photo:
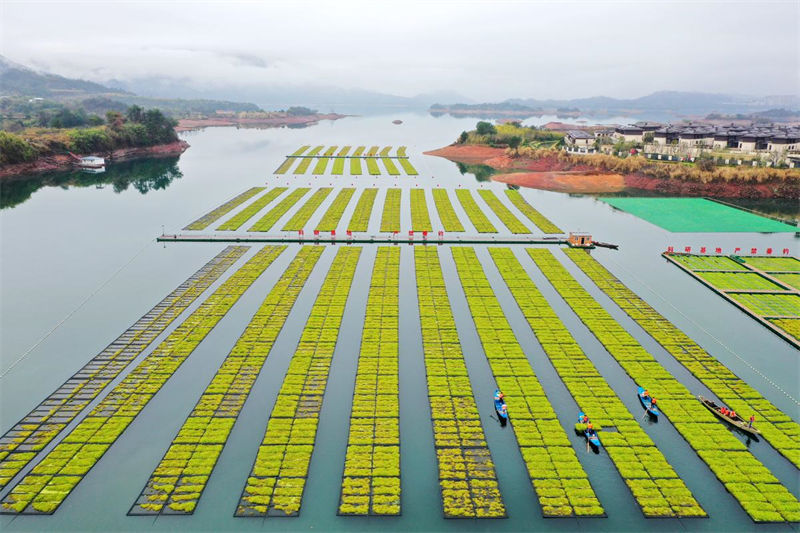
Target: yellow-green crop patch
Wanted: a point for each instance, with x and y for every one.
(50, 482)
(300, 150)
(176, 484)
(355, 166)
(654, 484)
(390, 218)
(390, 166)
(319, 168)
(372, 166)
(207, 219)
(447, 214)
(330, 220)
(533, 215)
(556, 474)
(774, 264)
(272, 216)
(420, 219)
(475, 214)
(771, 305)
(363, 211)
(513, 224)
(278, 477)
(302, 167)
(286, 165)
(371, 477)
(771, 501)
(466, 472)
(408, 167)
(775, 426)
(708, 262)
(300, 218)
(39, 427)
(237, 220)
(739, 280)
(792, 280)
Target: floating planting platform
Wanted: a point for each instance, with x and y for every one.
(49, 483)
(209, 218)
(447, 215)
(467, 477)
(656, 487)
(277, 480)
(371, 477)
(38, 428)
(558, 478)
(176, 484)
(756, 489)
(369, 157)
(766, 288)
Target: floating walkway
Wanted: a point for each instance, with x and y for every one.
(413, 238)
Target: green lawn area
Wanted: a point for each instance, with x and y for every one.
(696, 215)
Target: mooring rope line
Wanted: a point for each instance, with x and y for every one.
(731, 350)
(71, 313)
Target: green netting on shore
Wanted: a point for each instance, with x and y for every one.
(696, 215)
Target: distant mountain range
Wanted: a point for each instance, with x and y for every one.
(671, 102)
(20, 81)
(323, 97)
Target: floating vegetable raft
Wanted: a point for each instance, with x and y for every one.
(272, 216)
(556, 474)
(363, 211)
(206, 220)
(505, 215)
(420, 219)
(447, 215)
(278, 477)
(466, 472)
(775, 426)
(390, 219)
(766, 288)
(535, 216)
(54, 478)
(330, 220)
(176, 484)
(759, 492)
(656, 487)
(39, 427)
(475, 214)
(237, 220)
(371, 478)
(371, 158)
(301, 217)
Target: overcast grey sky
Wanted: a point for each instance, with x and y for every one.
(483, 50)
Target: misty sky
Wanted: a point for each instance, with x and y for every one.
(486, 51)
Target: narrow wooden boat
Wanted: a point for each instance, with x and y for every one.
(500, 408)
(590, 434)
(737, 421)
(647, 402)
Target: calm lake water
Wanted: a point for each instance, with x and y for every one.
(79, 264)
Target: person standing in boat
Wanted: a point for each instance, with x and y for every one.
(752, 419)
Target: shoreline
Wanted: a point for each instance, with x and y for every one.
(56, 162)
(190, 124)
(555, 175)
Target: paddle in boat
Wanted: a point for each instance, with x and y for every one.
(647, 402)
(729, 417)
(500, 407)
(589, 433)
